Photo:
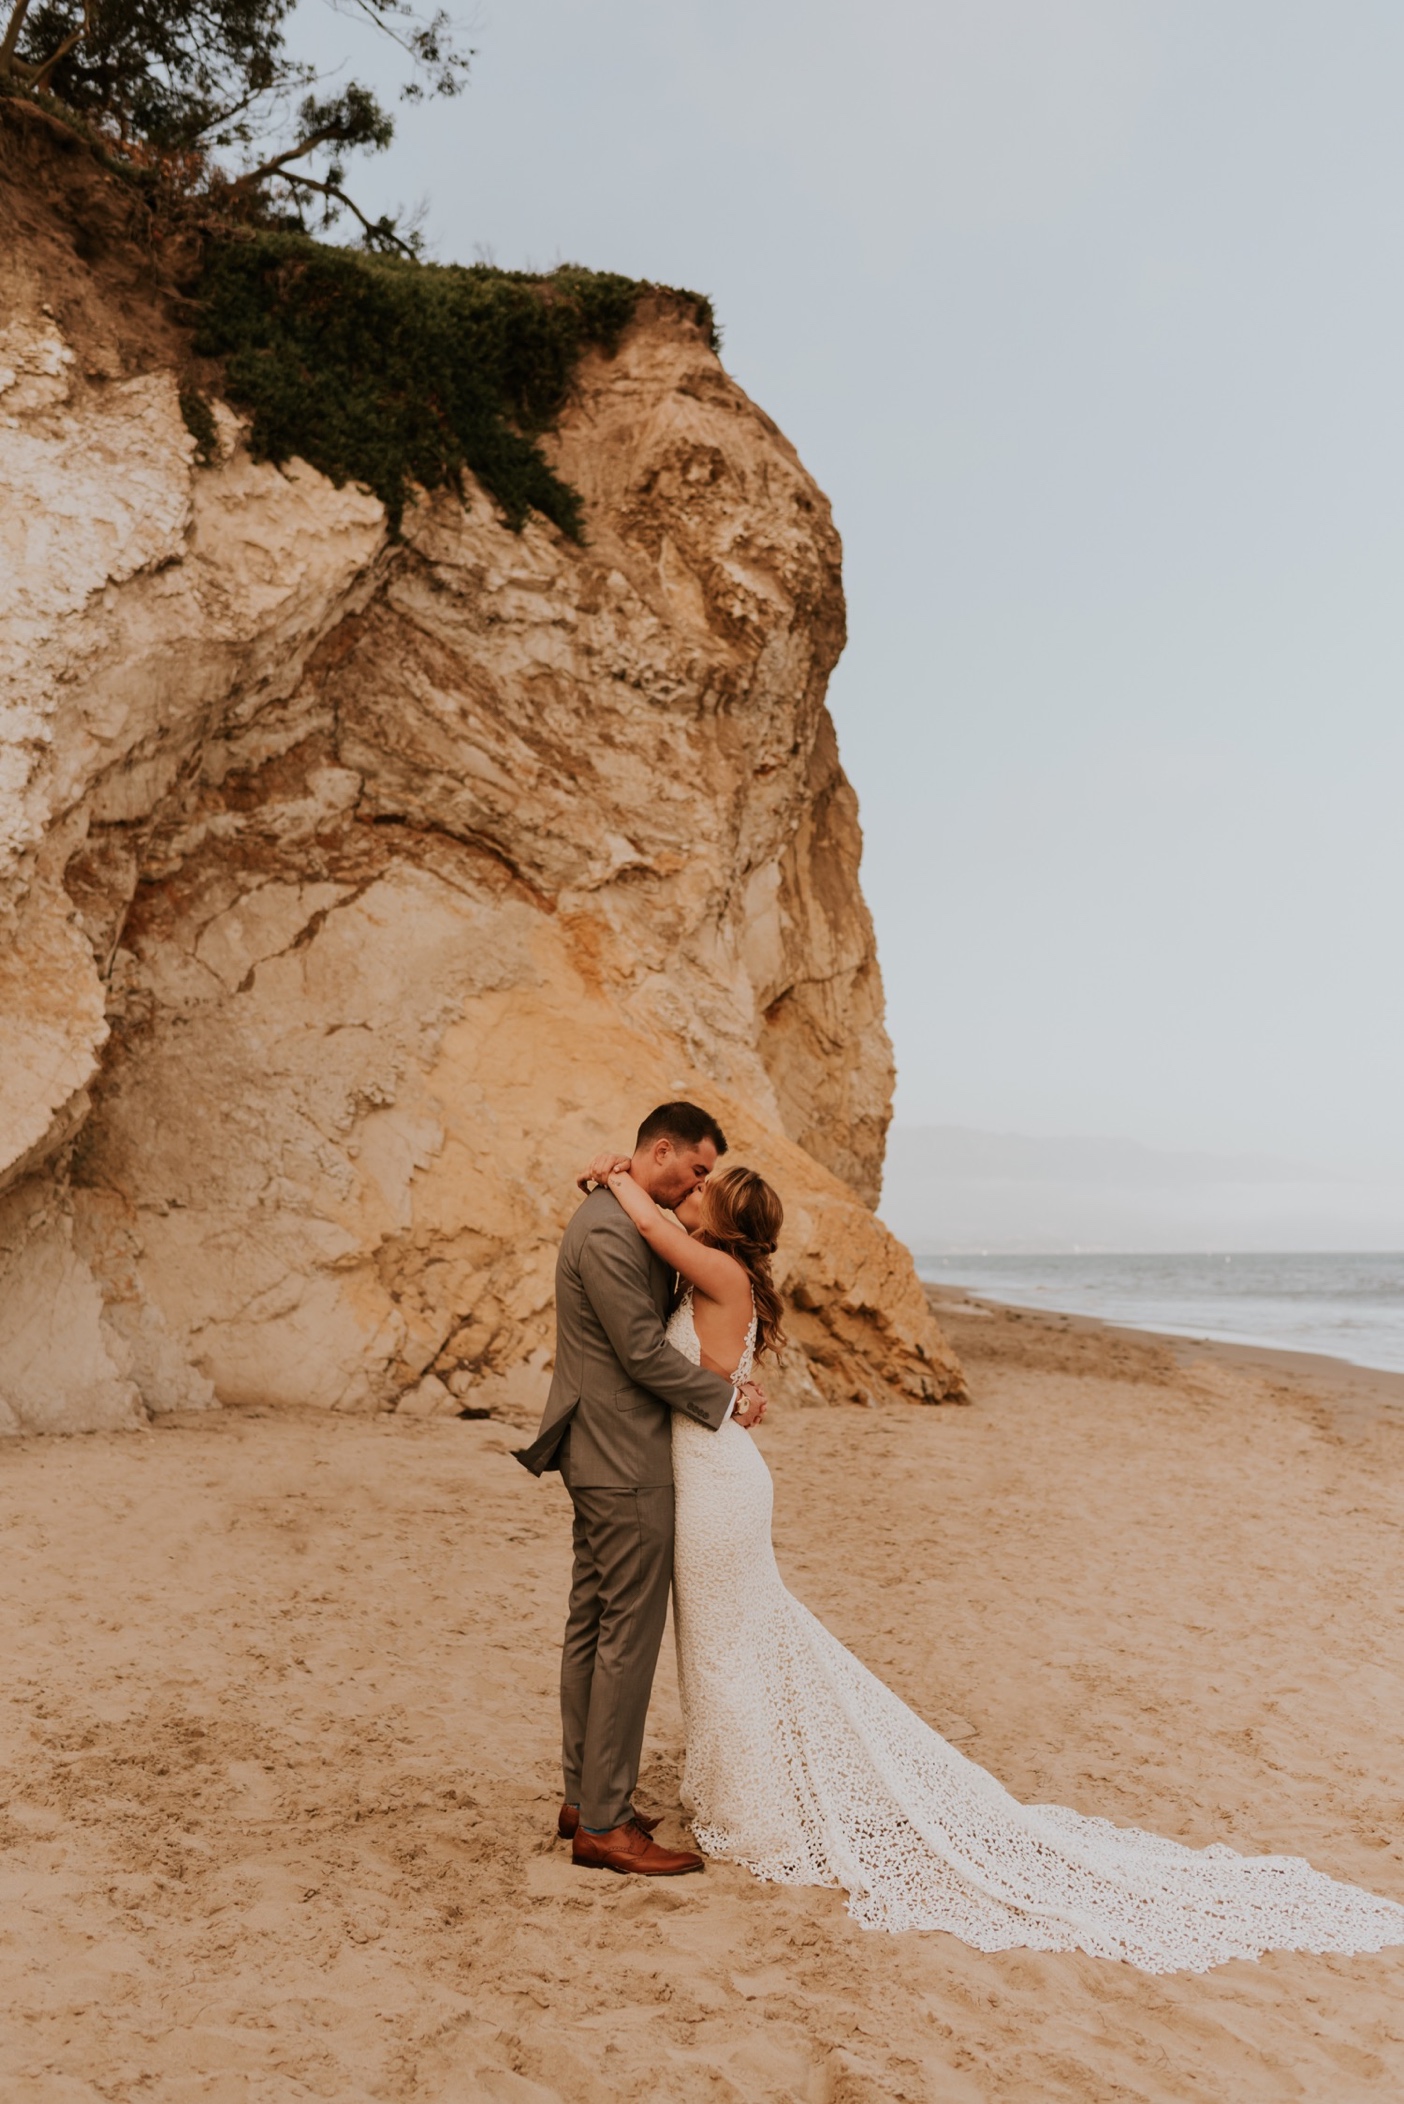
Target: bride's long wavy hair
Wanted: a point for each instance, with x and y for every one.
(743, 1215)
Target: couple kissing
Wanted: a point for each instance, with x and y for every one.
(800, 1764)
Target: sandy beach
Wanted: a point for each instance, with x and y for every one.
(279, 1773)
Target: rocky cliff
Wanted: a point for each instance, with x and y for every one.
(355, 889)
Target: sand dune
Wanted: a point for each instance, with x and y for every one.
(278, 1748)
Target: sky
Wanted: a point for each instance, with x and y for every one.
(1088, 315)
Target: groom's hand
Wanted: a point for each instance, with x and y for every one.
(601, 1169)
(752, 1406)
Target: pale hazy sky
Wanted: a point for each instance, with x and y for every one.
(1089, 317)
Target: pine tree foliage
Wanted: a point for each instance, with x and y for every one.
(190, 84)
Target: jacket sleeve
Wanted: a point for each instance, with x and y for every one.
(615, 1280)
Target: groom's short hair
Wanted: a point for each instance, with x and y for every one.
(682, 1123)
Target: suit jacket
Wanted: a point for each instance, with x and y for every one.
(616, 1380)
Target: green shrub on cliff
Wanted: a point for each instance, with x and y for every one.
(389, 372)
(370, 364)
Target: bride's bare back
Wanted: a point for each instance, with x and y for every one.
(722, 1327)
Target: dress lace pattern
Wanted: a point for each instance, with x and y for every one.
(802, 1766)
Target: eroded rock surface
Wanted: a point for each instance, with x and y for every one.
(354, 892)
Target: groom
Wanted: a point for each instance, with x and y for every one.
(607, 1428)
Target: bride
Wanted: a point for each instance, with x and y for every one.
(802, 1766)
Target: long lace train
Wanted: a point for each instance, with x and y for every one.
(804, 1767)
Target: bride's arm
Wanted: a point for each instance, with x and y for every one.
(600, 1170)
(712, 1271)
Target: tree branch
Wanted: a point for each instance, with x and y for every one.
(378, 16)
(224, 116)
(280, 160)
(41, 79)
(382, 230)
(12, 30)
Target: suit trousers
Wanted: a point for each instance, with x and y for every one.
(623, 1541)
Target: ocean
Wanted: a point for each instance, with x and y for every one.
(1351, 1307)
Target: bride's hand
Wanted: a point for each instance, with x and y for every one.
(753, 1405)
(601, 1169)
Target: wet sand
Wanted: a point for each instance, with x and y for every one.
(277, 1746)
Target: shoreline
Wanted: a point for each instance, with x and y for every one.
(1379, 1384)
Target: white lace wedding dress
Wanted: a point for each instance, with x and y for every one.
(805, 1768)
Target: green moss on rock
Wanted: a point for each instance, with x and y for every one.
(388, 372)
(199, 422)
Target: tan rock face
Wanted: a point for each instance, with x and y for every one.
(357, 893)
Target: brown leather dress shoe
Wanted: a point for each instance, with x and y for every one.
(630, 1849)
(568, 1819)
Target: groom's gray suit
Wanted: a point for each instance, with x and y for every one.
(607, 1427)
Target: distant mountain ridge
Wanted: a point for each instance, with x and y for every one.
(953, 1188)
(959, 1150)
